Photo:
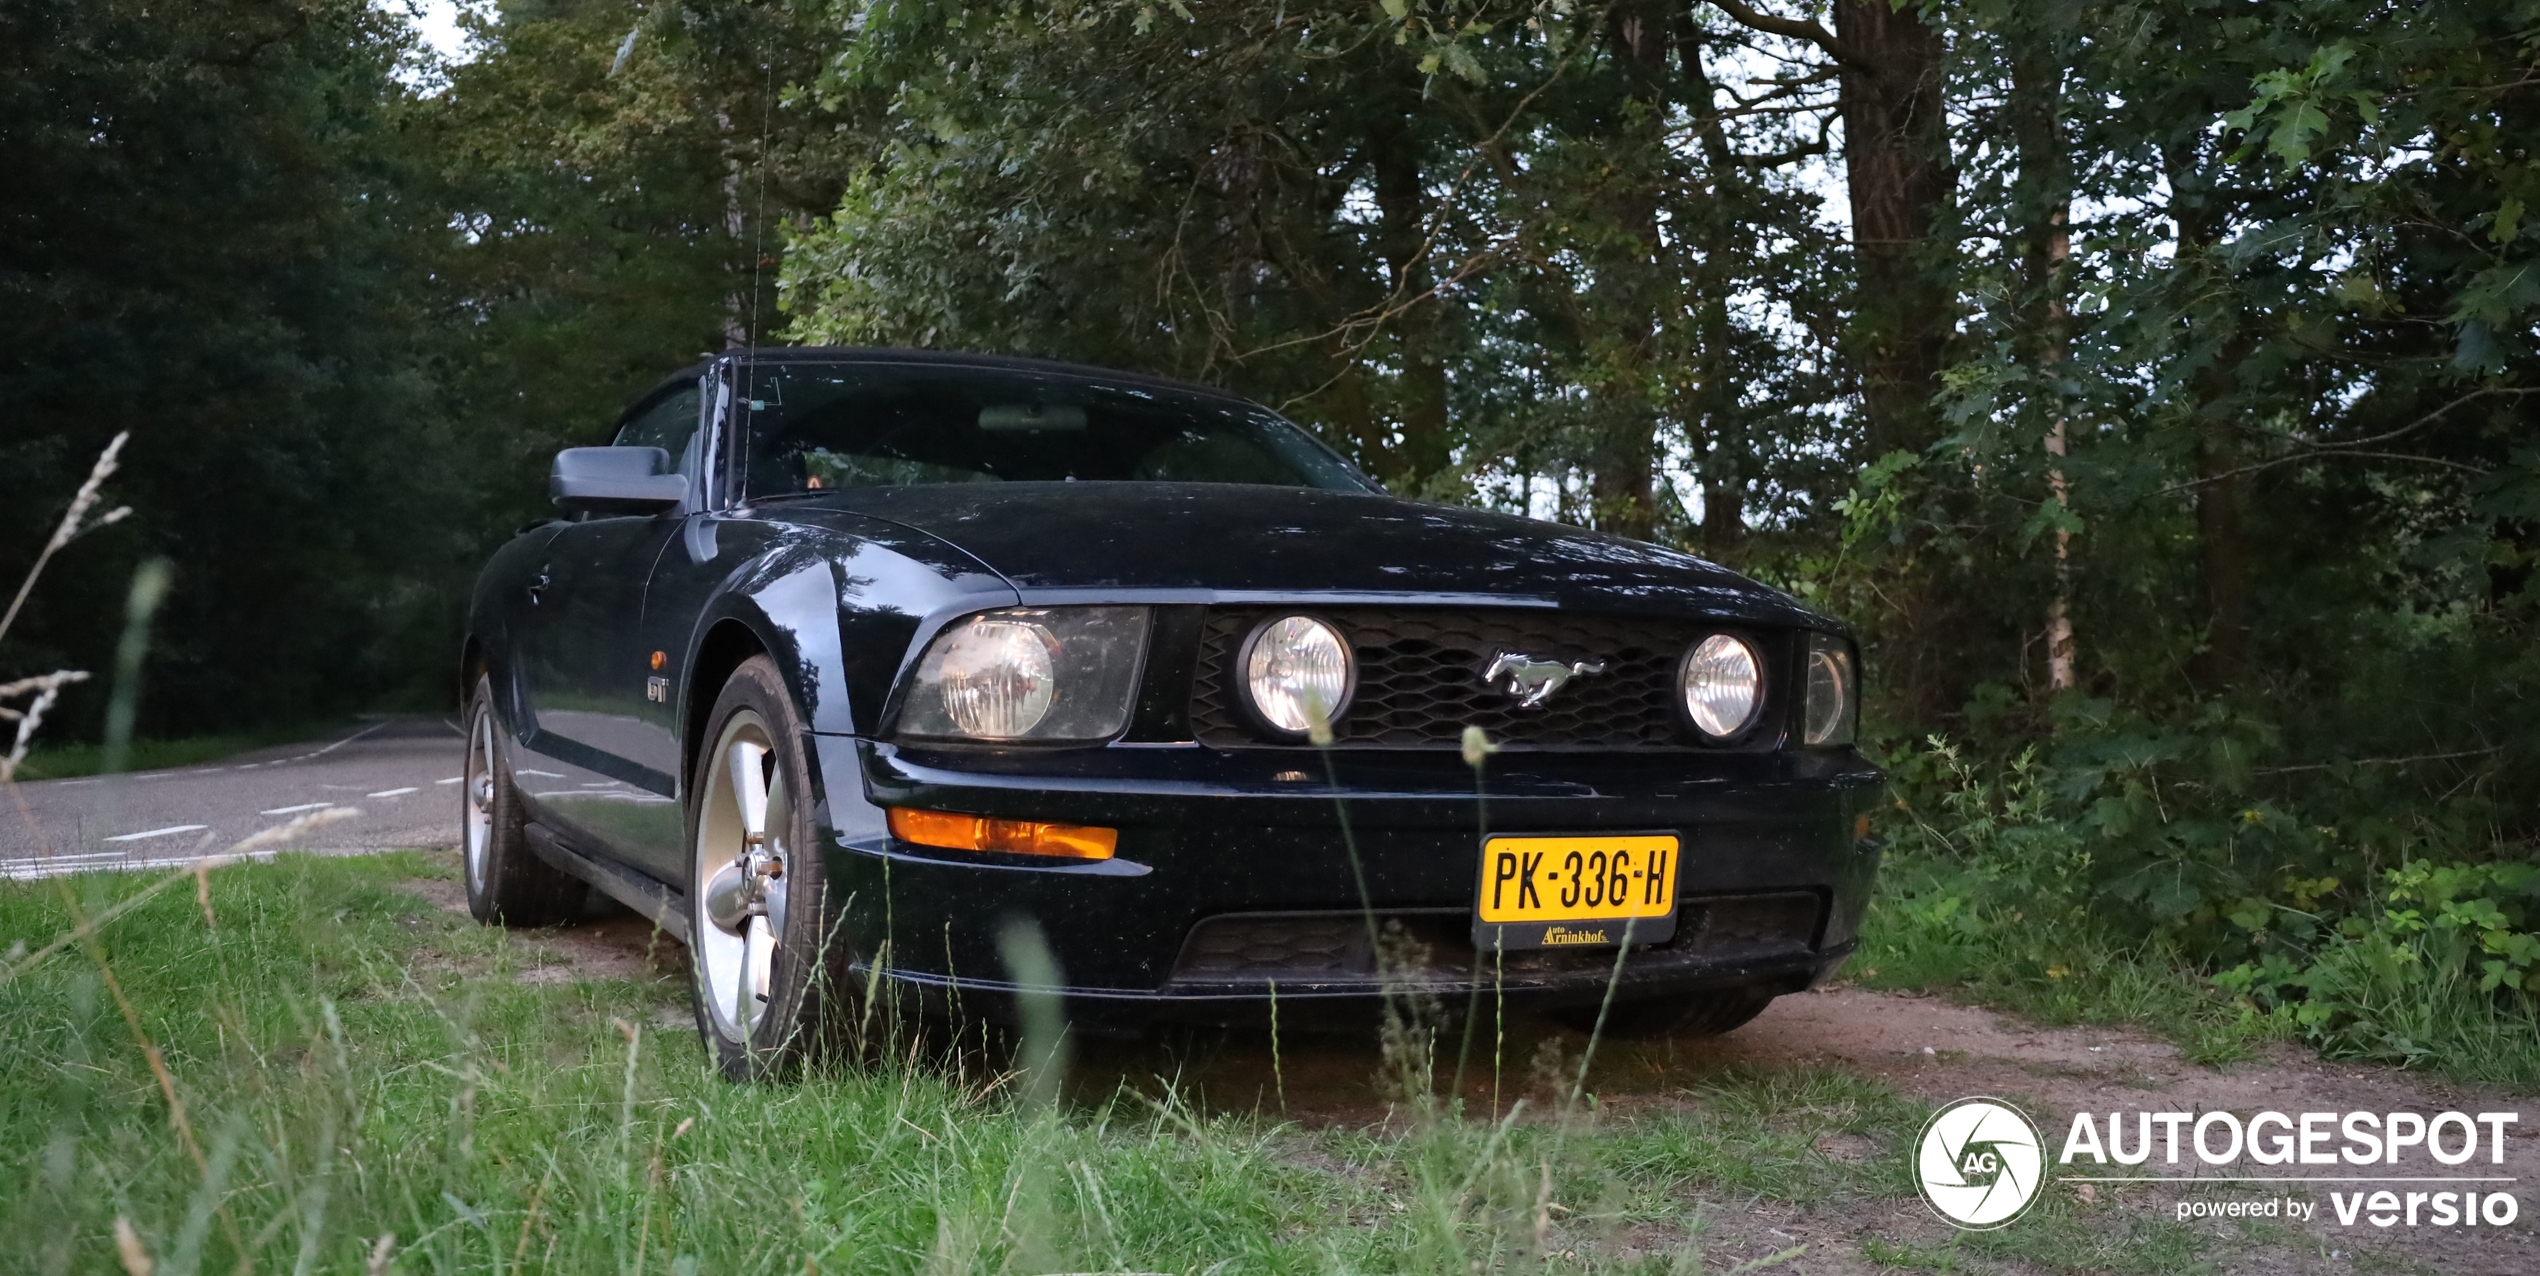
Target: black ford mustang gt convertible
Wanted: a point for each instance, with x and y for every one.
(842, 663)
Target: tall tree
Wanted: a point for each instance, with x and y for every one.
(1889, 60)
(2041, 49)
(205, 244)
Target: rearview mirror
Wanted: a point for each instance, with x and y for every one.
(616, 480)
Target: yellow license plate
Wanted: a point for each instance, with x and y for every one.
(1563, 892)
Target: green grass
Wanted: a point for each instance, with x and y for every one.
(69, 761)
(355, 1064)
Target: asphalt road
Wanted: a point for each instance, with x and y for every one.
(397, 778)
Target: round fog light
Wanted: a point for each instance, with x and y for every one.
(1723, 685)
(1297, 670)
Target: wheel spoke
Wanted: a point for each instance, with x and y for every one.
(757, 963)
(480, 784)
(728, 899)
(744, 1007)
(746, 761)
(772, 906)
(778, 820)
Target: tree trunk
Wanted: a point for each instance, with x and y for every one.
(2045, 198)
(1896, 165)
(1892, 95)
(1624, 465)
(1402, 201)
(1719, 437)
(736, 303)
(2221, 550)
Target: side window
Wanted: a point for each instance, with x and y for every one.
(668, 423)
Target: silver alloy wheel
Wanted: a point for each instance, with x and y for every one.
(742, 823)
(480, 797)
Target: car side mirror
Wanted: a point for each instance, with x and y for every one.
(616, 480)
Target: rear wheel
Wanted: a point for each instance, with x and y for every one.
(1704, 1014)
(507, 884)
(768, 975)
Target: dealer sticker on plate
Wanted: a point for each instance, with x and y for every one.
(1576, 892)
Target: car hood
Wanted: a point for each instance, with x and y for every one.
(1223, 539)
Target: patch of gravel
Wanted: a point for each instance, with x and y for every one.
(606, 942)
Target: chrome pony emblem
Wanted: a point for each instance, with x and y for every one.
(1533, 681)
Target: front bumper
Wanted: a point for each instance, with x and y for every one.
(1328, 883)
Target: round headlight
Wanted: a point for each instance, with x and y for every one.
(998, 677)
(1296, 669)
(1723, 684)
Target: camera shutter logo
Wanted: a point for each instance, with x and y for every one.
(1980, 1163)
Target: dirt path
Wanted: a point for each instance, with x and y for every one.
(1925, 1048)
(1936, 1051)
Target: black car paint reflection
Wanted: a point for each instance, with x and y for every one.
(607, 637)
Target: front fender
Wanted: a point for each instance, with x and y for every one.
(837, 612)
(493, 621)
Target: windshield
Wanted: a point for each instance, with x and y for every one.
(813, 427)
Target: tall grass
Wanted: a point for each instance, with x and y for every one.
(303, 1067)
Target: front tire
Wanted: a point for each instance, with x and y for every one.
(769, 989)
(507, 884)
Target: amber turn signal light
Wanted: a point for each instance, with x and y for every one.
(1012, 837)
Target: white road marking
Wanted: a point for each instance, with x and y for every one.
(319, 753)
(552, 775)
(169, 831)
(64, 865)
(295, 810)
(452, 780)
(392, 792)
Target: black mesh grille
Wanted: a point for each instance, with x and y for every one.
(1277, 946)
(1420, 680)
(1436, 945)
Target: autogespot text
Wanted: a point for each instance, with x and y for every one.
(2391, 1169)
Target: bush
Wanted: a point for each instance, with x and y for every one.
(2235, 912)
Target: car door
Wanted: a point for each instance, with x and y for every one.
(612, 783)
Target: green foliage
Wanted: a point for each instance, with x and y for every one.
(2439, 966)
(1455, 238)
(1990, 886)
(2103, 887)
(205, 248)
